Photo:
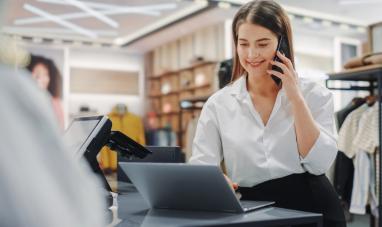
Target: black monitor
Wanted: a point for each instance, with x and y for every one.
(159, 154)
(87, 135)
(82, 131)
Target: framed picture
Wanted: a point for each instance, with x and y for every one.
(375, 37)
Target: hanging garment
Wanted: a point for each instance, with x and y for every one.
(343, 178)
(365, 142)
(367, 135)
(349, 130)
(373, 190)
(130, 125)
(342, 114)
(343, 167)
(361, 183)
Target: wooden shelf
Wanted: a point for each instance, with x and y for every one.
(196, 99)
(155, 96)
(172, 73)
(195, 88)
(169, 113)
(364, 73)
(163, 95)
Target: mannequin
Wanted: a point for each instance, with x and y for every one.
(127, 123)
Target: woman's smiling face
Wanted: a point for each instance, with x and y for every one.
(256, 47)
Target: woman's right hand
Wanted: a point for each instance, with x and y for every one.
(234, 186)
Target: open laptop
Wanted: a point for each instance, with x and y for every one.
(186, 187)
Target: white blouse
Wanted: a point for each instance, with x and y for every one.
(229, 127)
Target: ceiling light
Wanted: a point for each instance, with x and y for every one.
(354, 2)
(94, 13)
(224, 5)
(37, 40)
(307, 20)
(150, 10)
(344, 27)
(201, 2)
(326, 23)
(57, 41)
(361, 29)
(60, 21)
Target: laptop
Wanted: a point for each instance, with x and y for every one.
(186, 187)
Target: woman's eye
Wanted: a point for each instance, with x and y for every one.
(243, 44)
(263, 45)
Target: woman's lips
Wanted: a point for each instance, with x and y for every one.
(255, 64)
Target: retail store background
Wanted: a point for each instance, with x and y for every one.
(162, 62)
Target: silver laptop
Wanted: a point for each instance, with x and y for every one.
(186, 187)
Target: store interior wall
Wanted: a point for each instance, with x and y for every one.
(112, 60)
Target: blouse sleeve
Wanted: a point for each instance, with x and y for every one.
(206, 147)
(324, 150)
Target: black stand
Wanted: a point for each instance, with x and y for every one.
(118, 142)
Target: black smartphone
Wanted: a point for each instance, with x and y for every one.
(282, 46)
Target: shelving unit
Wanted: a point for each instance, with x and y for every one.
(373, 75)
(168, 89)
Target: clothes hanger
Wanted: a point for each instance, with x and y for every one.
(371, 99)
(121, 109)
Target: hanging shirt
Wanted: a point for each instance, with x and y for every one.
(229, 127)
(367, 135)
(349, 131)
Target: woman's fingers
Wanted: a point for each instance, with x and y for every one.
(276, 73)
(235, 186)
(285, 60)
(283, 67)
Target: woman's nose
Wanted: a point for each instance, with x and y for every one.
(253, 53)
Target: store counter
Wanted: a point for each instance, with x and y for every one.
(133, 211)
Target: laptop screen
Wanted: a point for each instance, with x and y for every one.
(80, 133)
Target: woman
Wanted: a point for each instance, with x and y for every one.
(47, 76)
(276, 140)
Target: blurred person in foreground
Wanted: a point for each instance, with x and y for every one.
(40, 184)
(48, 78)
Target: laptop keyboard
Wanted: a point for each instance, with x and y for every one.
(246, 204)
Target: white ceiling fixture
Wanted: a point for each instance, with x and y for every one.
(200, 5)
(57, 31)
(58, 20)
(94, 13)
(355, 2)
(151, 10)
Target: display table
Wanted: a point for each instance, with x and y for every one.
(133, 211)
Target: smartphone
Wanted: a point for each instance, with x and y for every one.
(283, 48)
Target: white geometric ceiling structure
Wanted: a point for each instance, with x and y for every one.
(131, 22)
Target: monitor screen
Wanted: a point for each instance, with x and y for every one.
(80, 133)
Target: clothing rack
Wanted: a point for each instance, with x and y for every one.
(373, 75)
(188, 105)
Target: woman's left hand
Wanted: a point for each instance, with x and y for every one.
(288, 77)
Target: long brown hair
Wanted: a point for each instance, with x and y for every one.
(55, 83)
(267, 14)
